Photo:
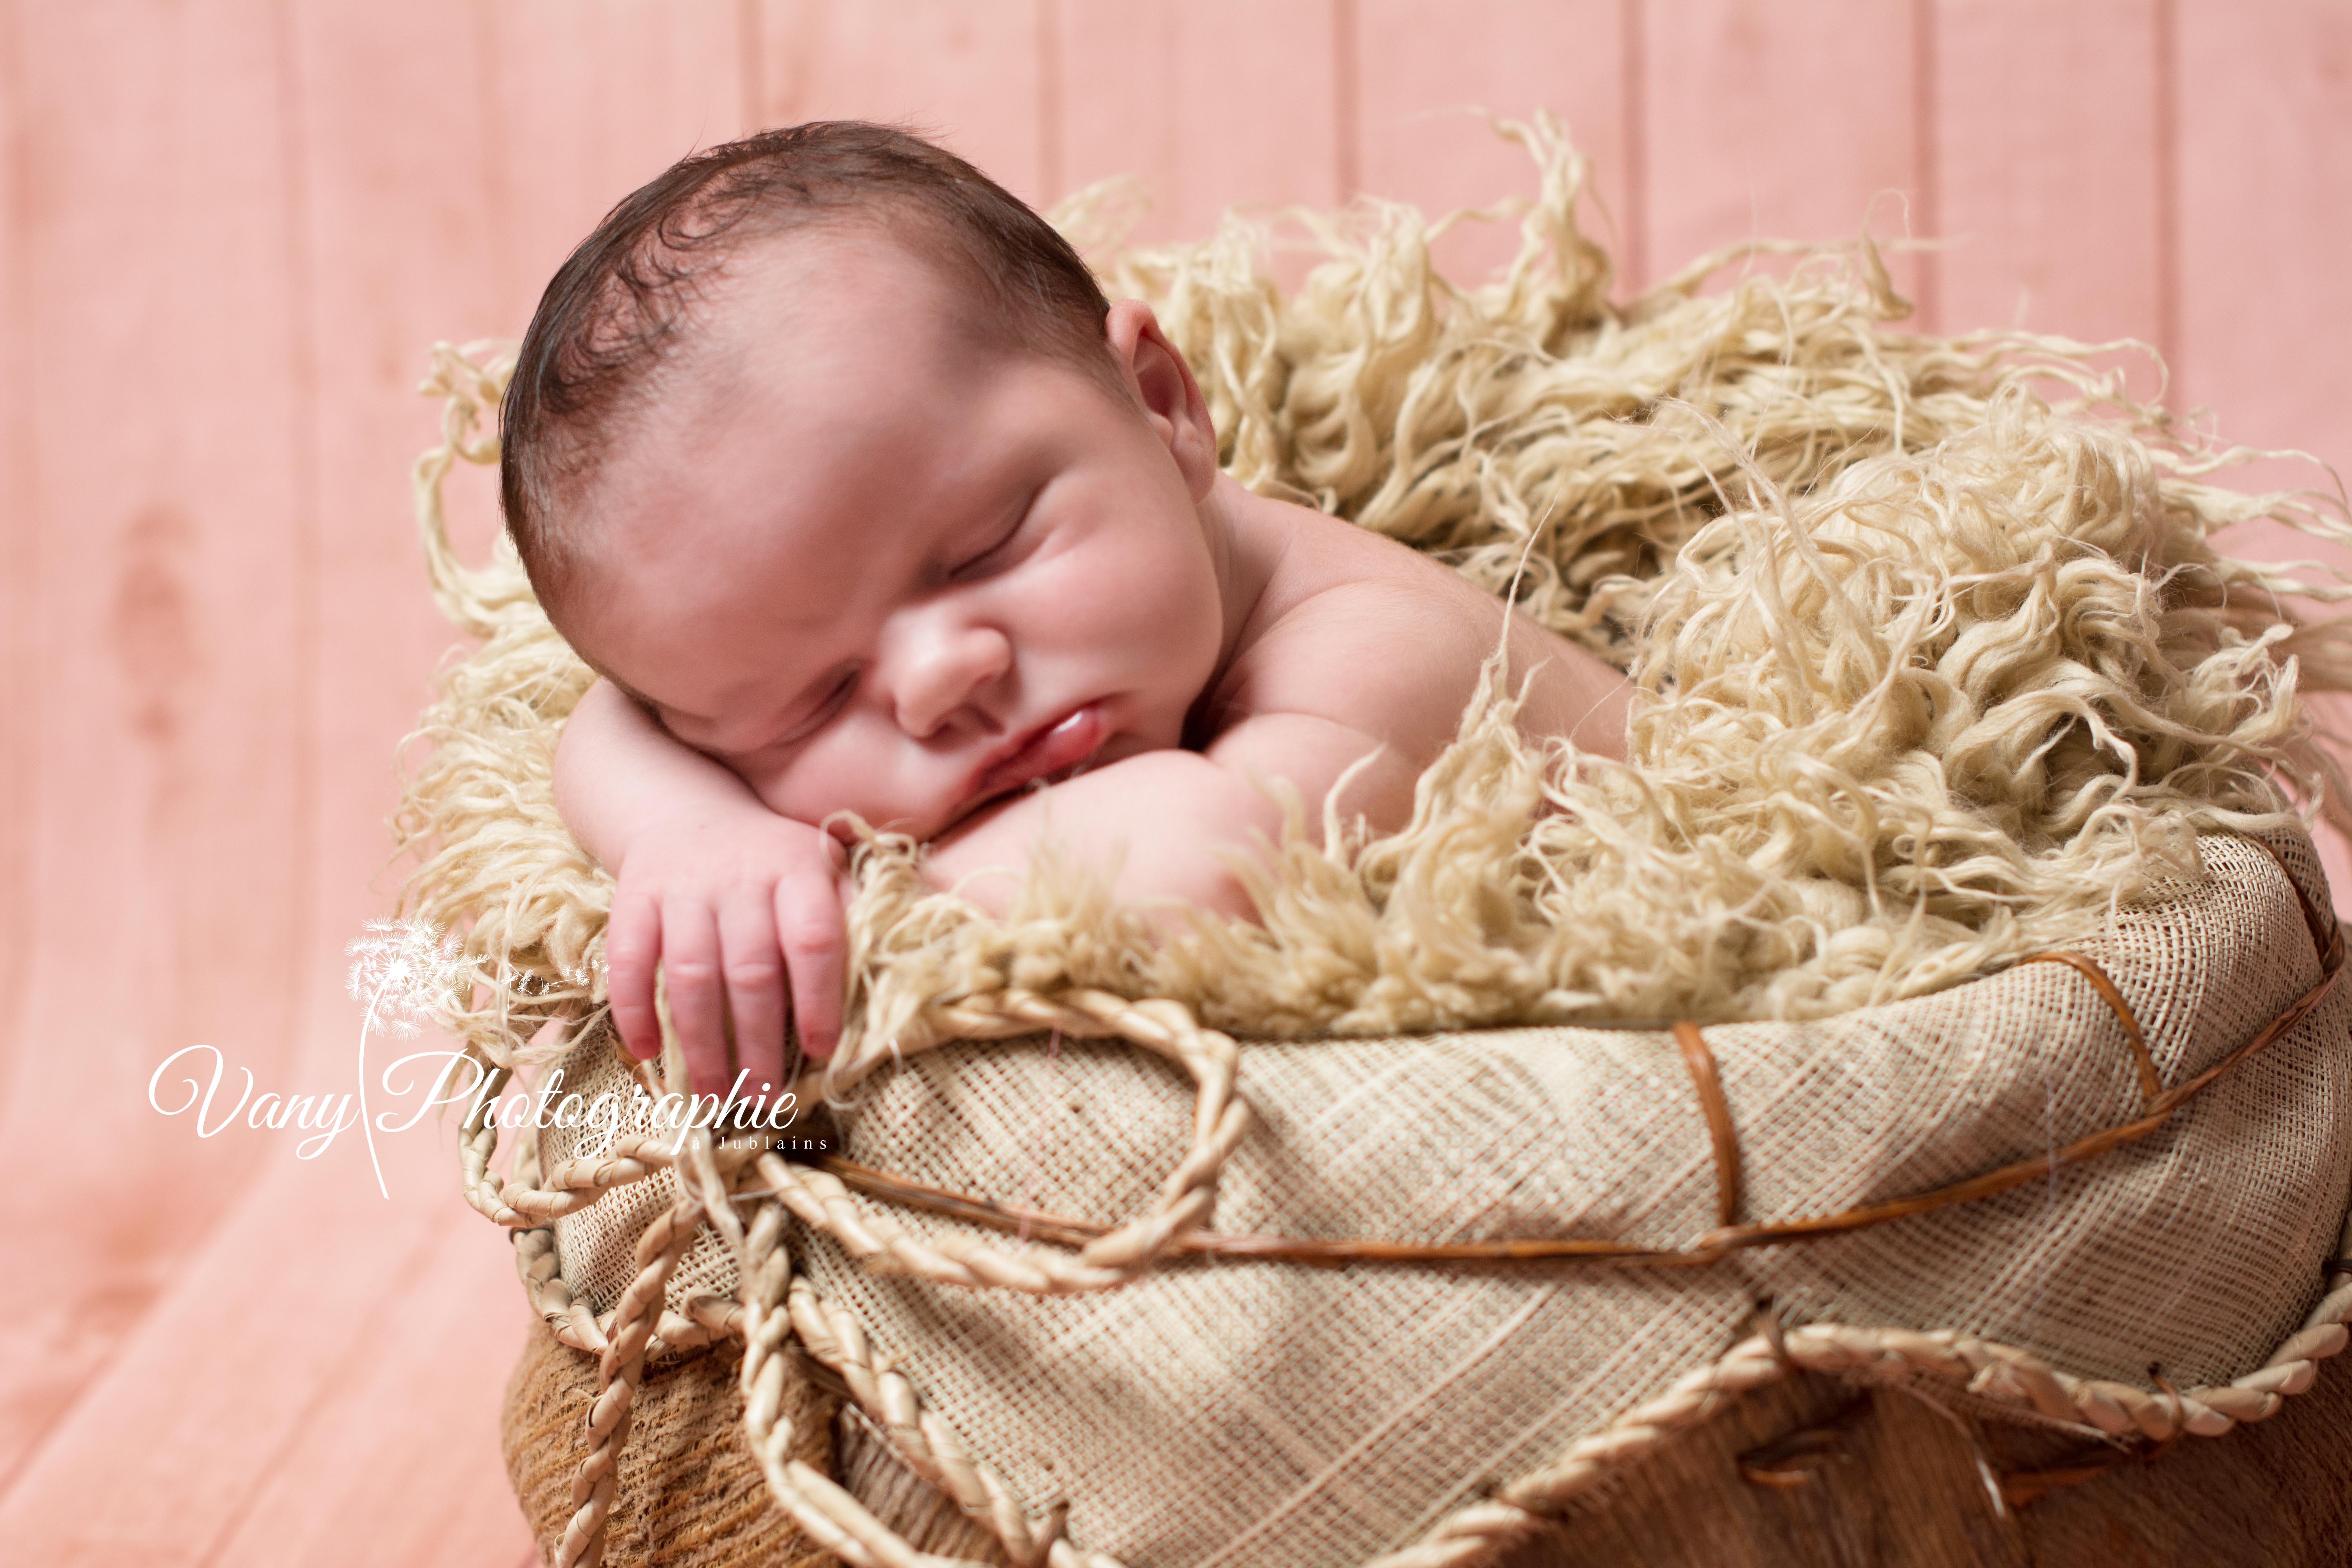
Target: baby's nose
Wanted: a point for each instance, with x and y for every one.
(946, 668)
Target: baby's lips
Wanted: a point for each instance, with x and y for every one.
(1062, 749)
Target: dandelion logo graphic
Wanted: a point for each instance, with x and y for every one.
(403, 971)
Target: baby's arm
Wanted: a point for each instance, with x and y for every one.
(712, 885)
(1173, 822)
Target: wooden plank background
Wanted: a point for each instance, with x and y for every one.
(233, 228)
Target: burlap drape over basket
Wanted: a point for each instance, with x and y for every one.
(1223, 1410)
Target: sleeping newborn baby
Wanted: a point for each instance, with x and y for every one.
(832, 460)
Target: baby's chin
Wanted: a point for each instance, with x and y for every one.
(947, 818)
(975, 812)
(852, 823)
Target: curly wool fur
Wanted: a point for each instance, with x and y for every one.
(1930, 672)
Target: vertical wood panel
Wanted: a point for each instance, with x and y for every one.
(165, 753)
(1777, 122)
(19, 562)
(2264, 204)
(1420, 64)
(966, 74)
(589, 101)
(1214, 103)
(2049, 179)
(408, 246)
(2265, 150)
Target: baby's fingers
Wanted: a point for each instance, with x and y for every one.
(755, 990)
(808, 921)
(632, 949)
(691, 976)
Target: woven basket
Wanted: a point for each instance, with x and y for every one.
(1455, 1284)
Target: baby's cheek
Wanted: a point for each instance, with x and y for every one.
(1133, 589)
(778, 785)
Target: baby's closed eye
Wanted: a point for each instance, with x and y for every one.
(831, 697)
(995, 549)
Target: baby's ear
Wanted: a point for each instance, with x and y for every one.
(1155, 371)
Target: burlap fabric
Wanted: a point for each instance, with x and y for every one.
(1224, 1411)
(594, 1246)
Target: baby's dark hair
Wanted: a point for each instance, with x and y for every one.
(618, 306)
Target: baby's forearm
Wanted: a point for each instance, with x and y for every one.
(615, 771)
(1171, 823)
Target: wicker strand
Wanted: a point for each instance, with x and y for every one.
(532, 1199)
(1722, 1134)
(1186, 1200)
(833, 1520)
(2151, 1086)
(1988, 1371)
(478, 1144)
(922, 1441)
(619, 1370)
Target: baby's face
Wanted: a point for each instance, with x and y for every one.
(874, 566)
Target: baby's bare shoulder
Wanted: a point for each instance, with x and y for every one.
(1380, 638)
(1371, 635)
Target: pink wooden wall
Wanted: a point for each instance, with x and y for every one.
(232, 230)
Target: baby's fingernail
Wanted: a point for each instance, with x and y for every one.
(819, 1047)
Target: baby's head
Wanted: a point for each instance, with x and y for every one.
(832, 454)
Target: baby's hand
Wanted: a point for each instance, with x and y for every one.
(734, 905)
